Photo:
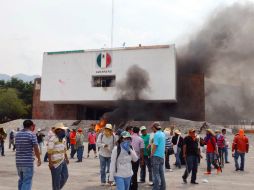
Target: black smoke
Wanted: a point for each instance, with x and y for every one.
(223, 49)
(131, 95)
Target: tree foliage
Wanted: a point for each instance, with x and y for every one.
(15, 99)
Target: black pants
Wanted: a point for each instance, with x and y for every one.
(46, 157)
(134, 180)
(191, 166)
(73, 150)
(167, 165)
(2, 147)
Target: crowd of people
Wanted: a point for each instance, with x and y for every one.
(124, 154)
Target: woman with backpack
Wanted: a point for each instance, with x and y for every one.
(121, 158)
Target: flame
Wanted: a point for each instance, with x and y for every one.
(100, 125)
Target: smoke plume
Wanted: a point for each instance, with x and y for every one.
(224, 51)
(130, 93)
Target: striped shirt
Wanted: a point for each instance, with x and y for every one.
(57, 150)
(25, 140)
(168, 144)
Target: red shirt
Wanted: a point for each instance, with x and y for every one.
(240, 144)
(73, 137)
(92, 138)
(211, 145)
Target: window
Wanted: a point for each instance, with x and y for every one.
(103, 81)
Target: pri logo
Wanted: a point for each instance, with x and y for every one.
(103, 60)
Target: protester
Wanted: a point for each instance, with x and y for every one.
(158, 155)
(40, 138)
(73, 143)
(240, 146)
(106, 143)
(3, 136)
(12, 140)
(147, 158)
(118, 134)
(92, 142)
(168, 148)
(225, 151)
(191, 153)
(177, 141)
(50, 135)
(58, 159)
(211, 151)
(80, 139)
(26, 145)
(68, 143)
(137, 144)
(129, 129)
(221, 146)
(121, 162)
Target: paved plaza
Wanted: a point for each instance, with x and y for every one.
(85, 176)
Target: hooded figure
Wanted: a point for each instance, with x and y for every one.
(240, 146)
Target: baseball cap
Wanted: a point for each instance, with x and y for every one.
(157, 125)
(142, 128)
(125, 134)
(108, 126)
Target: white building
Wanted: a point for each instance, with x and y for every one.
(90, 77)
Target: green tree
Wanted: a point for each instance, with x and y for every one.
(11, 107)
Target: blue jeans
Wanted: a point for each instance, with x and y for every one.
(211, 161)
(80, 151)
(177, 155)
(122, 183)
(25, 177)
(159, 182)
(147, 164)
(104, 164)
(191, 166)
(242, 156)
(59, 176)
(225, 151)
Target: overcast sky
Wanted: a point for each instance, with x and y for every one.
(31, 27)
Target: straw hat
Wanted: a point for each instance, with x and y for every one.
(177, 132)
(211, 132)
(60, 126)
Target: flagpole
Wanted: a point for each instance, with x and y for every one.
(112, 24)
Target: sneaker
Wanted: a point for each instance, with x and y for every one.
(227, 162)
(141, 181)
(113, 184)
(207, 173)
(103, 184)
(150, 183)
(194, 182)
(237, 169)
(170, 170)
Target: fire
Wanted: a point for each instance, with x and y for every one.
(100, 125)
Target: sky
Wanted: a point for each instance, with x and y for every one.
(29, 27)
